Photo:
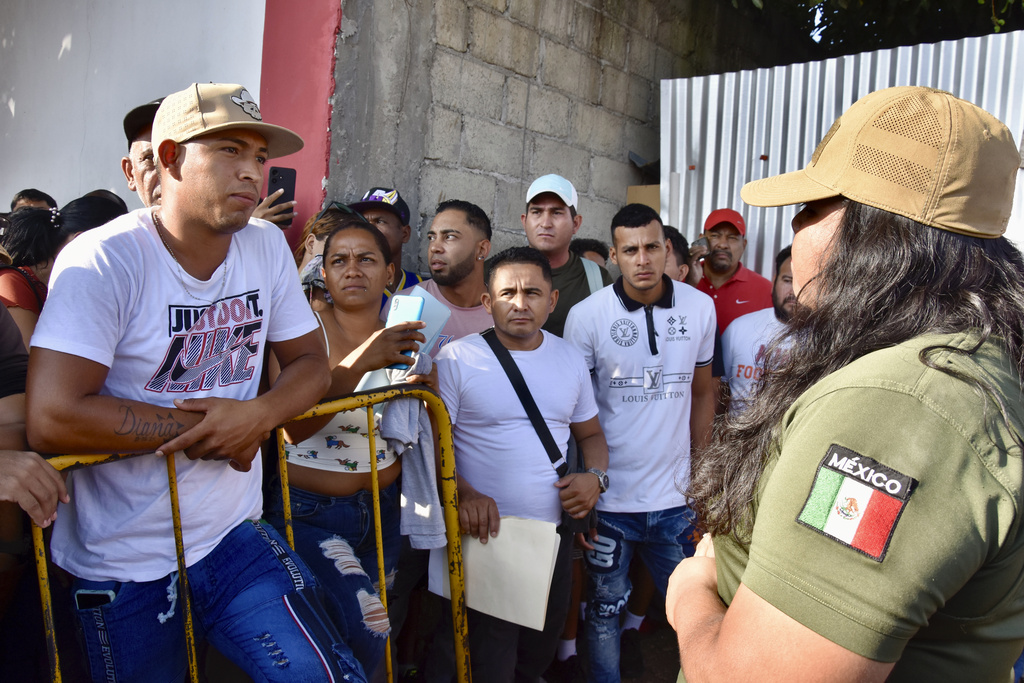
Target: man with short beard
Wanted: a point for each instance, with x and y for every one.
(458, 241)
(745, 340)
(735, 289)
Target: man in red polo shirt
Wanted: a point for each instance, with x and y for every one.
(735, 289)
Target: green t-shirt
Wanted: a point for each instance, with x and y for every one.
(936, 584)
(570, 279)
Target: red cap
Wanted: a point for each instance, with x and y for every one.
(729, 216)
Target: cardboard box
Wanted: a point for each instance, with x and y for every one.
(645, 194)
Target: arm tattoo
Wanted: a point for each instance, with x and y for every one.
(165, 427)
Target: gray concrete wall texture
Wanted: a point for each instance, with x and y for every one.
(473, 99)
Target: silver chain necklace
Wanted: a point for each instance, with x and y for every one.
(181, 279)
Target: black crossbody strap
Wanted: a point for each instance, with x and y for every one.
(508, 364)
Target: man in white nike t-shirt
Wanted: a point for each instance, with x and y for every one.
(152, 342)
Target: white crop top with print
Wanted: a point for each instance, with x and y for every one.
(343, 445)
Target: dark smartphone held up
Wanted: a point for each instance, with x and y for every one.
(282, 178)
(700, 247)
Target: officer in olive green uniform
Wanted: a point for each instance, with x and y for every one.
(866, 510)
(912, 578)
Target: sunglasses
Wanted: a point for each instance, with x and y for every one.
(344, 208)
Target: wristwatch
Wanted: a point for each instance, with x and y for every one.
(602, 478)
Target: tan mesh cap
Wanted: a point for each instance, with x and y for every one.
(204, 108)
(917, 152)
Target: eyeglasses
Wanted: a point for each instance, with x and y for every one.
(344, 208)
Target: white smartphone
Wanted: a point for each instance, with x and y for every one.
(402, 310)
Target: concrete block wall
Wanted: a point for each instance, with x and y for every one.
(473, 99)
(527, 87)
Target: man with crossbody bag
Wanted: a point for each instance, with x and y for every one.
(504, 468)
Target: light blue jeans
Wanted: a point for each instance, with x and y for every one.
(662, 538)
(251, 598)
(335, 537)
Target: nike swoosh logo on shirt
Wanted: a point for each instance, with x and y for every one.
(743, 302)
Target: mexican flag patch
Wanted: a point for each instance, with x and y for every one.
(857, 501)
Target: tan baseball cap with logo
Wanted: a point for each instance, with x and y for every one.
(204, 108)
(914, 151)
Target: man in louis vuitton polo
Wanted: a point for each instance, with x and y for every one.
(648, 342)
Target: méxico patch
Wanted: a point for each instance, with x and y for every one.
(857, 501)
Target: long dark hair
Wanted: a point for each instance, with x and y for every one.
(886, 279)
(33, 236)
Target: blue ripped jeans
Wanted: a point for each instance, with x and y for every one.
(251, 598)
(335, 536)
(663, 538)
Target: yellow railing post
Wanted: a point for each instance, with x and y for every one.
(286, 495)
(449, 499)
(378, 534)
(66, 462)
(44, 593)
(183, 590)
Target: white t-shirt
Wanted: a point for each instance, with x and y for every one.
(463, 321)
(643, 397)
(743, 347)
(119, 299)
(497, 450)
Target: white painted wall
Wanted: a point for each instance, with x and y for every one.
(70, 71)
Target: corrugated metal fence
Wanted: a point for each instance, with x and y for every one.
(719, 132)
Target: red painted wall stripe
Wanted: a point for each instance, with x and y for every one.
(296, 87)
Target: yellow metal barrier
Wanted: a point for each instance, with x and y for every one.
(449, 500)
(68, 462)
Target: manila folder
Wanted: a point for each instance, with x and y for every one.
(509, 577)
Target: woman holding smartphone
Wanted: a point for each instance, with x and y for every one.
(329, 457)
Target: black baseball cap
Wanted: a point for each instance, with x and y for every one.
(140, 117)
